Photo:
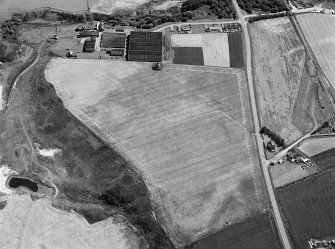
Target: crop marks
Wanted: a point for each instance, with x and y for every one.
(278, 64)
(186, 129)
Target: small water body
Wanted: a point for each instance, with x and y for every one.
(15, 182)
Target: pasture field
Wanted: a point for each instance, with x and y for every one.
(287, 172)
(186, 129)
(188, 56)
(308, 207)
(36, 224)
(316, 145)
(278, 59)
(325, 159)
(215, 46)
(257, 232)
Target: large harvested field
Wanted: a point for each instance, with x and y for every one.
(319, 30)
(257, 232)
(36, 224)
(108, 6)
(278, 59)
(215, 47)
(309, 208)
(186, 129)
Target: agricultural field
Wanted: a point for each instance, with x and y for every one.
(287, 172)
(321, 40)
(188, 56)
(36, 224)
(185, 129)
(256, 232)
(316, 145)
(278, 61)
(217, 50)
(325, 159)
(308, 207)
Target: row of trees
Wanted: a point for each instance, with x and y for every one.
(220, 8)
(268, 16)
(272, 6)
(277, 139)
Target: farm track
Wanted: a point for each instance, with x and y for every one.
(33, 153)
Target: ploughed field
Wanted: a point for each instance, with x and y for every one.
(278, 65)
(186, 129)
(256, 232)
(319, 30)
(210, 49)
(308, 207)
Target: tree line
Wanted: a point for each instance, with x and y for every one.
(272, 6)
(268, 16)
(277, 139)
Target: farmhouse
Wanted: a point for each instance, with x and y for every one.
(145, 46)
(112, 40)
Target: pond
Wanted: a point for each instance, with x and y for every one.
(15, 182)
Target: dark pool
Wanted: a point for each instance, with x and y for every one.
(15, 182)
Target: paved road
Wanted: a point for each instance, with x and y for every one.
(264, 164)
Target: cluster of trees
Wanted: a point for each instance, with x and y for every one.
(277, 139)
(272, 6)
(220, 8)
(324, 125)
(6, 56)
(268, 16)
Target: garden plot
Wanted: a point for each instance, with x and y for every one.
(215, 46)
(186, 129)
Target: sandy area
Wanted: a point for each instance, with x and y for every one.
(166, 5)
(319, 30)
(36, 224)
(314, 146)
(108, 6)
(215, 46)
(5, 172)
(185, 129)
(21, 5)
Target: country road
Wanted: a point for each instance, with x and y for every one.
(264, 163)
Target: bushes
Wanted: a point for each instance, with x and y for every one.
(277, 139)
(272, 6)
(220, 8)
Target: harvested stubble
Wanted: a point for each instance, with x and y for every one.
(186, 129)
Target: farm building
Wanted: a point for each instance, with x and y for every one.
(89, 45)
(112, 40)
(88, 26)
(89, 33)
(145, 46)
